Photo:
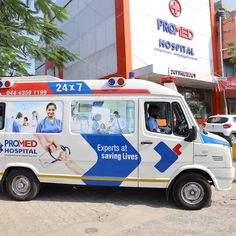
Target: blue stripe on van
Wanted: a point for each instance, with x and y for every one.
(207, 139)
(116, 158)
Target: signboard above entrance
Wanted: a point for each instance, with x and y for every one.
(172, 34)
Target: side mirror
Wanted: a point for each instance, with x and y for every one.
(192, 134)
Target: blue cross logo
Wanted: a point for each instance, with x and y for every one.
(168, 156)
(1, 148)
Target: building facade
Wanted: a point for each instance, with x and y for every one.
(225, 33)
(152, 39)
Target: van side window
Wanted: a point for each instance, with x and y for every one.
(102, 117)
(180, 124)
(158, 117)
(2, 115)
(34, 117)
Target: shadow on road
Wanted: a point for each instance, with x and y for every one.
(119, 196)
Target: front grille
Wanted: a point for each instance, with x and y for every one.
(217, 158)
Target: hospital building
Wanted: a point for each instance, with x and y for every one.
(183, 40)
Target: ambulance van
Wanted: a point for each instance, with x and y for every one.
(115, 132)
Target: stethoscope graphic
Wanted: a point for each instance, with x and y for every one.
(46, 164)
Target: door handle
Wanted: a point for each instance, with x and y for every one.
(146, 142)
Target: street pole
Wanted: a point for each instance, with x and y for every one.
(222, 61)
(221, 48)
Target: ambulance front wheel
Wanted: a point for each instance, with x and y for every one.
(22, 185)
(192, 192)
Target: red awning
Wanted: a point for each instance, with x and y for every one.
(229, 84)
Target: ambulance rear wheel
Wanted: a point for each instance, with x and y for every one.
(192, 192)
(22, 185)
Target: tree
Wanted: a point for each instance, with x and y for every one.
(232, 52)
(29, 32)
(195, 107)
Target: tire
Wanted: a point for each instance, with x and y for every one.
(22, 185)
(191, 192)
(232, 139)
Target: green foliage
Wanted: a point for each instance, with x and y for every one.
(232, 52)
(30, 32)
(195, 107)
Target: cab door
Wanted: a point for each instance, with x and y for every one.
(163, 152)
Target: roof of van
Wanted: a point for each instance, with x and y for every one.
(48, 85)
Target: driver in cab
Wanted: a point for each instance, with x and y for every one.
(151, 122)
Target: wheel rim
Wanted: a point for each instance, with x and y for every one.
(233, 139)
(192, 193)
(21, 185)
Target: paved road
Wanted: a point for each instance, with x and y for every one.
(66, 210)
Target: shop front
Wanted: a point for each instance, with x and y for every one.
(227, 91)
(199, 101)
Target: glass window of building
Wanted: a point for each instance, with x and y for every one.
(199, 101)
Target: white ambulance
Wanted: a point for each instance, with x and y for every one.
(116, 132)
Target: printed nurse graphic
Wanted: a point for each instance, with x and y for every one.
(50, 124)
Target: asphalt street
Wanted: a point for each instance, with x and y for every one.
(69, 210)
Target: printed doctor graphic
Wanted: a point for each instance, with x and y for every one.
(95, 125)
(118, 125)
(17, 123)
(50, 124)
(34, 121)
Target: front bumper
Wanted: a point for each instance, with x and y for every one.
(223, 177)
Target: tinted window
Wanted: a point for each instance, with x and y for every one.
(180, 124)
(217, 120)
(2, 115)
(158, 117)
